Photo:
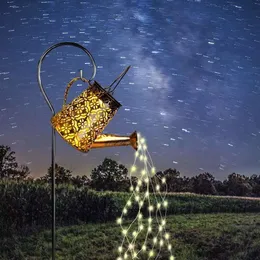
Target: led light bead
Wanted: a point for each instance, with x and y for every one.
(133, 169)
(167, 236)
(131, 246)
(145, 192)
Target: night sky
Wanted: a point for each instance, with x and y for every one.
(193, 89)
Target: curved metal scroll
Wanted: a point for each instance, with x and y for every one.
(45, 54)
(53, 198)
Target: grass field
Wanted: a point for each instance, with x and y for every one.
(193, 236)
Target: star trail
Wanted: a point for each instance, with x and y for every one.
(193, 88)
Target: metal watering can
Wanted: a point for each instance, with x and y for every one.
(82, 121)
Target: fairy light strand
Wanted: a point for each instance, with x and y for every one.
(152, 244)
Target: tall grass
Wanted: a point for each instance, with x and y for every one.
(26, 205)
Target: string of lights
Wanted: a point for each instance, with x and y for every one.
(150, 236)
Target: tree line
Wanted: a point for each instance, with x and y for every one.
(111, 176)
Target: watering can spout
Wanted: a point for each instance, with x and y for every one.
(110, 140)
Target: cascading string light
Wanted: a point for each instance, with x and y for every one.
(155, 202)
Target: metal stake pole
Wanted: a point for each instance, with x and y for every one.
(53, 197)
(53, 142)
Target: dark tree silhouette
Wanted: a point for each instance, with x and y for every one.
(80, 181)
(110, 176)
(62, 175)
(9, 167)
(173, 179)
(238, 185)
(204, 184)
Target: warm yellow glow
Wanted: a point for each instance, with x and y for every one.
(163, 180)
(133, 169)
(119, 221)
(131, 246)
(149, 229)
(167, 236)
(129, 203)
(134, 233)
(84, 119)
(120, 249)
(165, 203)
(151, 208)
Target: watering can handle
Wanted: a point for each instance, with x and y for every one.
(45, 54)
(70, 84)
(119, 78)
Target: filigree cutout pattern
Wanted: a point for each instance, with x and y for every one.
(80, 122)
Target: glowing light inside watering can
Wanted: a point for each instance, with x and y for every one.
(82, 121)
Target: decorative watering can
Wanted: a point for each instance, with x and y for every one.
(82, 121)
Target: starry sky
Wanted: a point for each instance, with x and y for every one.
(193, 89)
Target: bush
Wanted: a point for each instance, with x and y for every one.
(27, 205)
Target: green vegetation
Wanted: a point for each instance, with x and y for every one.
(94, 203)
(194, 237)
(25, 205)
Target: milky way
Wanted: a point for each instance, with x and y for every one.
(193, 89)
